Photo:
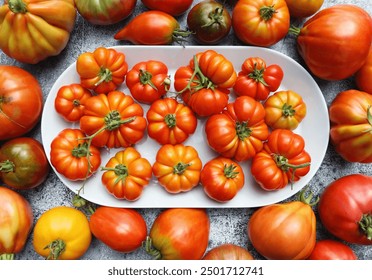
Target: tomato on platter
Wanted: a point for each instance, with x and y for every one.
(16, 219)
(170, 122)
(260, 22)
(351, 125)
(210, 21)
(113, 120)
(126, 174)
(340, 29)
(69, 102)
(283, 160)
(152, 28)
(62, 233)
(329, 249)
(102, 70)
(148, 81)
(228, 251)
(172, 7)
(72, 156)
(179, 234)
(105, 12)
(21, 102)
(121, 229)
(284, 109)
(177, 168)
(222, 179)
(303, 8)
(33, 30)
(284, 231)
(256, 79)
(23, 163)
(345, 208)
(239, 131)
(364, 74)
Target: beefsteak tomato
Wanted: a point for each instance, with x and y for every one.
(126, 174)
(170, 122)
(339, 29)
(364, 74)
(303, 8)
(345, 208)
(21, 102)
(23, 163)
(62, 233)
(228, 251)
(172, 7)
(121, 229)
(351, 125)
(260, 22)
(16, 219)
(179, 234)
(329, 249)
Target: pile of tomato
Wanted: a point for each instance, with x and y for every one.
(258, 126)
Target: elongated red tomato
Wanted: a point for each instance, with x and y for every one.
(329, 249)
(172, 7)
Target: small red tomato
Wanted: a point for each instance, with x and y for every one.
(332, 250)
(228, 252)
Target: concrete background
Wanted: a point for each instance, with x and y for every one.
(227, 225)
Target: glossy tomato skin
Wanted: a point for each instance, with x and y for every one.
(121, 229)
(62, 225)
(172, 7)
(351, 124)
(21, 102)
(180, 234)
(303, 8)
(260, 22)
(16, 220)
(337, 29)
(364, 74)
(210, 21)
(23, 163)
(329, 249)
(345, 208)
(105, 12)
(228, 251)
(285, 231)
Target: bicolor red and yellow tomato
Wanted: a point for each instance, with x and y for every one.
(364, 74)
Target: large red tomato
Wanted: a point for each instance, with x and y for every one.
(339, 29)
(329, 249)
(172, 7)
(364, 74)
(345, 208)
(21, 102)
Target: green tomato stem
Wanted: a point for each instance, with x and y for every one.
(216, 17)
(365, 224)
(145, 79)
(308, 199)
(56, 247)
(105, 75)
(7, 166)
(179, 35)
(17, 6)
(6, 257)
(180, 168)
(267, 12)
(147, 245)
(170, 120)
(257, 75)
(242, 130)
(287, 110)
(294, 30)
(229, 171)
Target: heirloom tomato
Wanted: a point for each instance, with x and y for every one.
(351, 125)
(113, 120)
(239, 131)
(62, 233)
(260, 22)
(102, 70)
(284, 231)
(283, 160)
(228, 251)
(179, 234)
(364, 74)
(121, 229)
(284, 109)
(303, 8)
(177, 168)
(21, 102)
(256, 79)
(172, 7)
(23, 163)
(105, 12)
(16, 220)
(345, 208)
(329, 249)
(33, 30)
(170, 122)
(210, 21)
(339, 29)
(152, 28)
(222, 179)
(69, 101)
(148, 81)
(126, 174)
(72, 155)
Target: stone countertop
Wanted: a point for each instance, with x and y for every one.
(228, 225)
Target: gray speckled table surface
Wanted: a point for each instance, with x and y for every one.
(227, 224)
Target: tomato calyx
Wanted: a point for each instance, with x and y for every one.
(17, 6)
(81, 150)
(145, 79)
(257, 75)
(105, 75)
(216, 17)
(242, 130)
(369, 119)
(365, 225)
(294, 30)
(120, 170)
(6, 257)
(180, 168)
(7, 166)
(56, 247)
(229, 171)
(267, 12)
(179, 35)
(287, 110)
(308, 199)
(282, 163)
(113, 121)
(170, 120)
(147, 245)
